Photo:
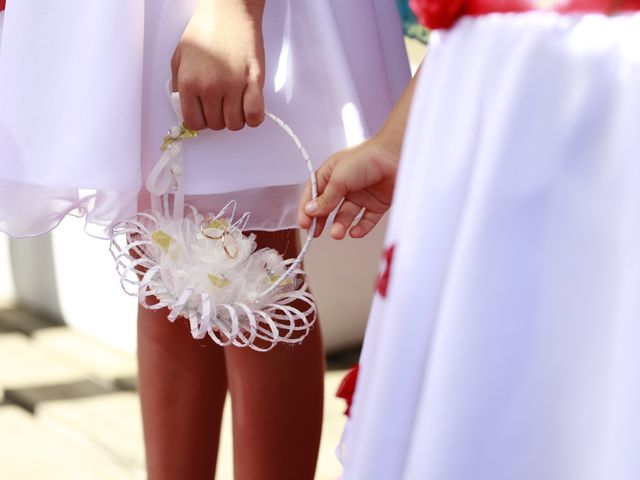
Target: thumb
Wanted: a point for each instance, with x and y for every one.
(326, 202)
(175, 66)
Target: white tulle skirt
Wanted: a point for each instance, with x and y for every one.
(507, 347)
(83, 106)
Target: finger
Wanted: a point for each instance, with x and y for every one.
(192, 111)
(369, 201)
(322, 176)
(253, 104)
(233, 111)
(366, 224)
(345, 216)
(175, 67)
(321, 223)
(213, 112)
(330, 198)
(304, 220)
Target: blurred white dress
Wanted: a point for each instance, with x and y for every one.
(508, 344)
(83, 107)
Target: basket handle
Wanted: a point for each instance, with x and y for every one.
(166, 180)
(314, 194)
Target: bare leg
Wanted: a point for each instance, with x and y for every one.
(183, 385)
(277, 399)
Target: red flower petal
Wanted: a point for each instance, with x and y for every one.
(348, 387)
(437, 13)
(3, 3)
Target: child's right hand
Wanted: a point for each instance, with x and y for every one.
(362, 177)
(218, 66)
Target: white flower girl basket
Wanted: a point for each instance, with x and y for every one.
(203, 268)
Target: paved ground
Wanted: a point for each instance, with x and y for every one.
(69, 408)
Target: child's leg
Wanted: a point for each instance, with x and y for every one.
(183, 385)
(277, 399)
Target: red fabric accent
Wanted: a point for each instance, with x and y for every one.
(481, 7)
(437, 13)
(3, 3)
(348, 387)
(444, 13)
(383, 280)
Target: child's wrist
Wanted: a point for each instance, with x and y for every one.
(390, 141)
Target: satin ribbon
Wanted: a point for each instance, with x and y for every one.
(166, 179)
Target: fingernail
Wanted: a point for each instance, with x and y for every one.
(311, 207)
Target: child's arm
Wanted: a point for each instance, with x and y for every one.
(218, 66)
(364, 176)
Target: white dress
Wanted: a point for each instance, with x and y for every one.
(83, 107)
(507, 346)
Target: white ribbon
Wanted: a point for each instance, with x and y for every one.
(161, 182)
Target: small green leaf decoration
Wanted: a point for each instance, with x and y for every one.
(218, 281)
(285, 283)
(162, 239)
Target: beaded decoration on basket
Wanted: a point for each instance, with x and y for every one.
(203, 268)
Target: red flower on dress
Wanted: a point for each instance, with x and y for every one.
(348, 387)
(437, 13)
(383, 280)
(3, 3)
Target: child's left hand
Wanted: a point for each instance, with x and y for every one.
(362, 177)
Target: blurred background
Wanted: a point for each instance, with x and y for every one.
(68, 402)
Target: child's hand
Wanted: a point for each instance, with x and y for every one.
(364, 176)
(218, 66)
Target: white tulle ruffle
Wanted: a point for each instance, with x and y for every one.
(218, 281)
